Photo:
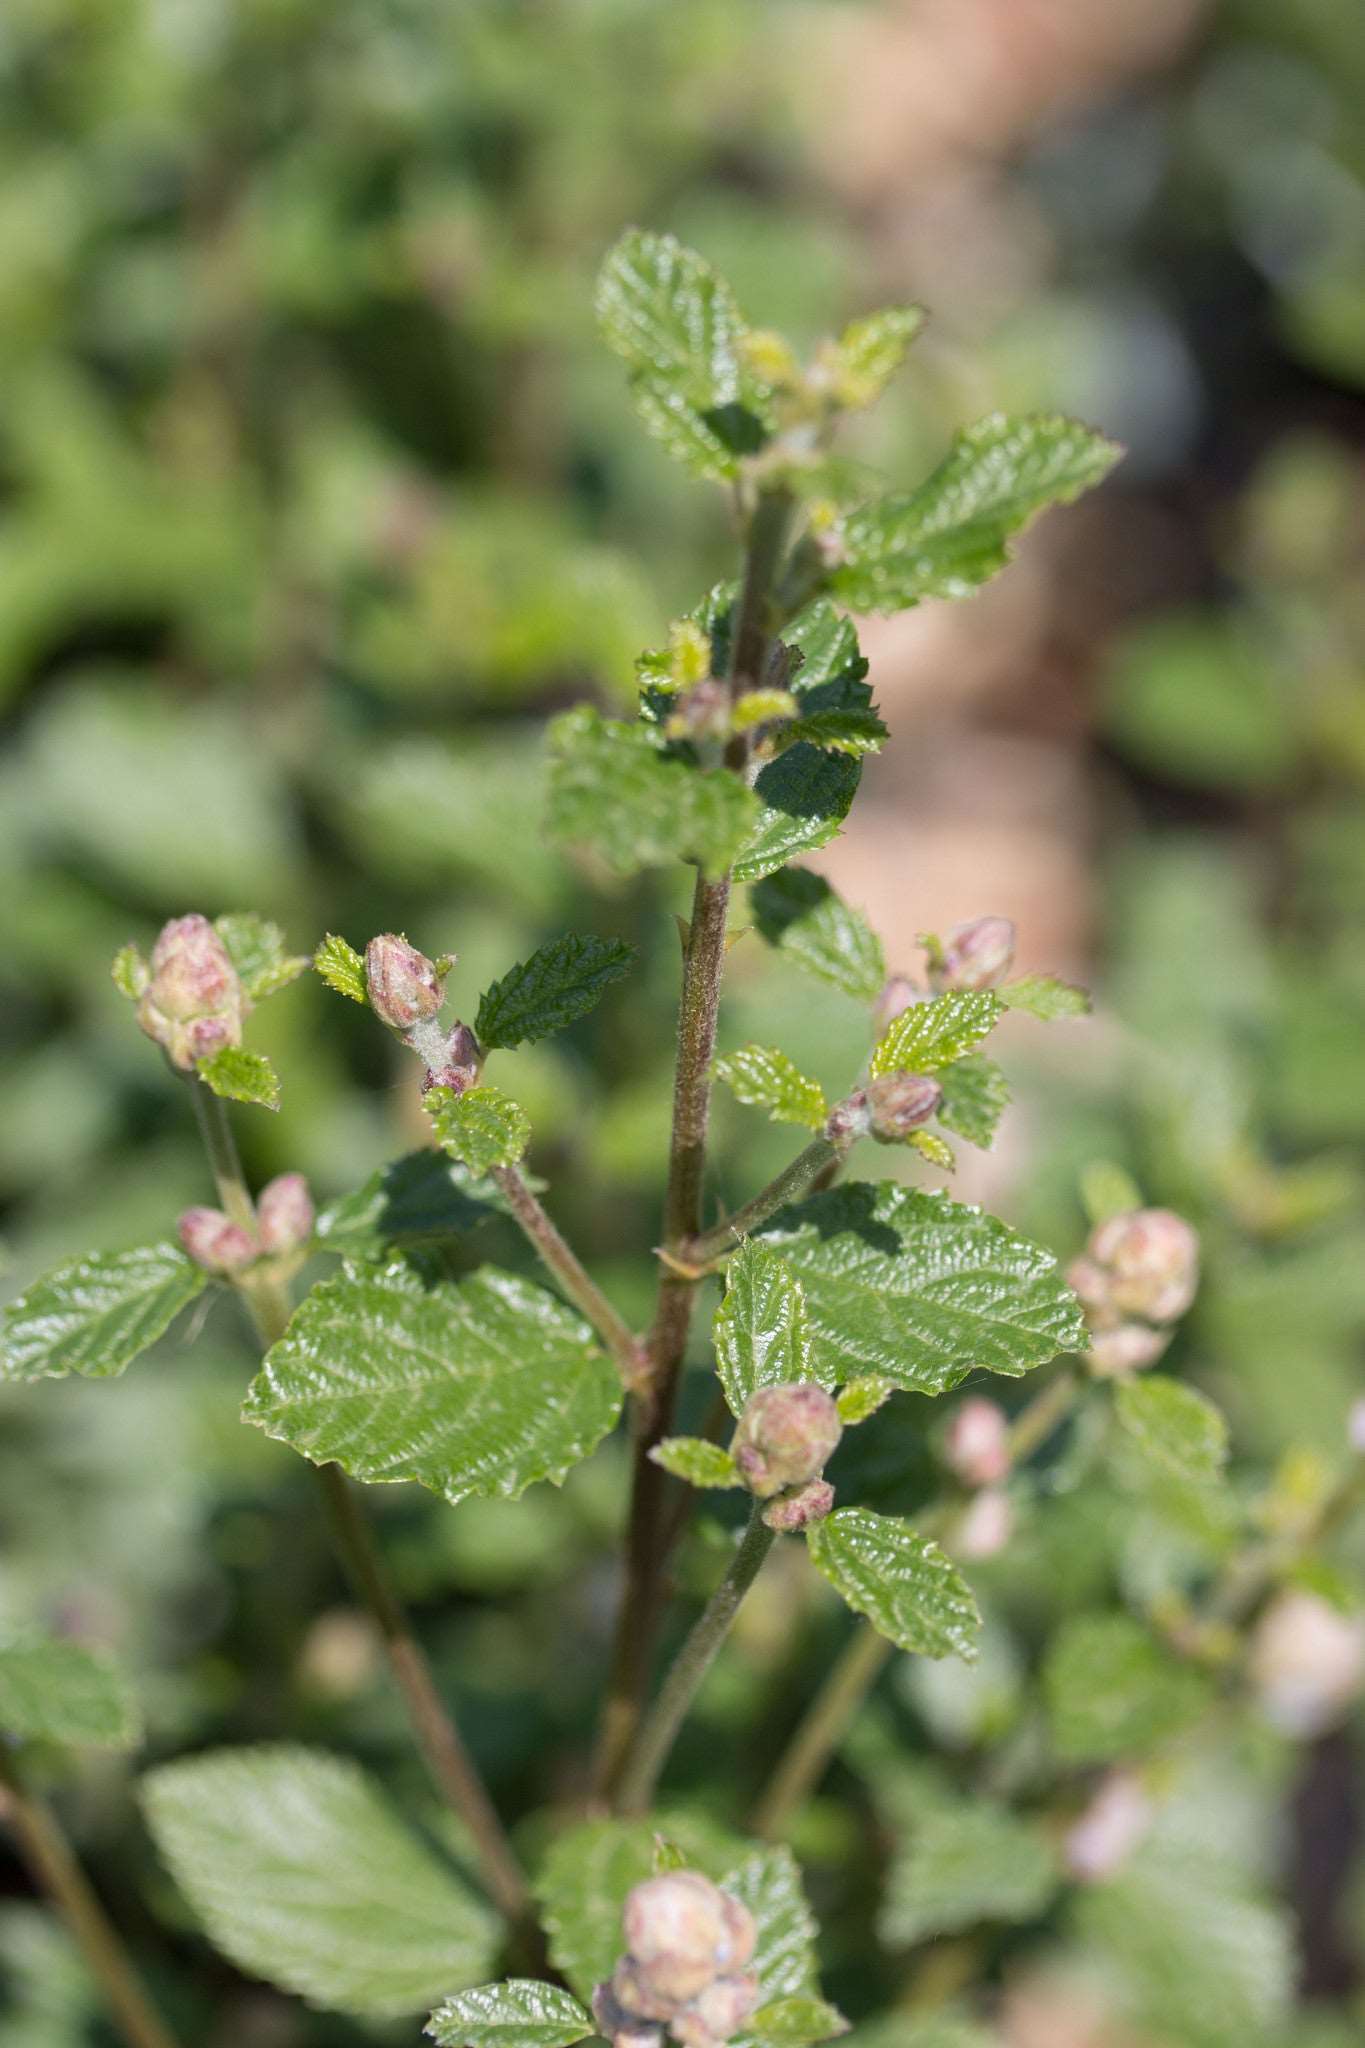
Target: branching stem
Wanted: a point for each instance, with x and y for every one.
(794, 1181)
(583, 1291)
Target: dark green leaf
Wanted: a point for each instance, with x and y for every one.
(241, 1076)
(1113, 1692)
(764, 1078)
(521, 2013)
(927, 1037)
(975, 1096)
(480, 1127)
(903, 1583)
(800, 914)
(419, 1199)
(557, 985)
(857, 731)
(95, 1315)
(612, 789)
(964, 1863)
(762, 1331)
(57, 1691)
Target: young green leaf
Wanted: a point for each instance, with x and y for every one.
(1042, 995)
(521, 2013)
(96, 1315)
(342, 968)
(764, 1078)
(130, 972)
(480, 1127)
(794, 2022)
(241, 1076)
(953, 533)
(302, 1875)
(762, 1331)
(1113, 1692)
(57, 1691)
(975, 1097)
(936, 1150)
(903, 1583)
(419, 1199)
(930, 1036)
(612, 790)
(557, 985)
(920, 1290)
(966, 1862)
(698, 1462)
(867, 355)
(800, 914)
(862, 1398)
(481, 1387)
(1175, 1426)
(257, 950)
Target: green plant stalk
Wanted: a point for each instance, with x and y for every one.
(794, 1181)
(53, 1863)
(659, 1730)
(560, 1260)
(449, 1763)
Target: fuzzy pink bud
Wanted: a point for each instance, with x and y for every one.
(622, 2028)
(717, 2013)
(784, 1437)
(681, 1932)
(454, 1062)
(404, 986)
(284, 1213)
(976, 1444)
(1152, 1259)
(1126, 1348)
(1099, 1843)
(987, 1525)
(193, 1003)
(794, 1511)
(849, 1120)
(899, 1103)
(215, 1242)
(978, 954)
(1307, 1663)
(895, 999)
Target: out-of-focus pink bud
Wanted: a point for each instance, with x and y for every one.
(404, 986)
(986, 1526)
(455, 1063)
(718, 2012)
(784, 1437)
(1355, 1428)
(1091, 1283)
(215, 1242)
(1127, 1347)
(900, 1103)
(1099, 1843)
(284, 1213)
(976, 1443)
(193, 1003)
(849, 1120)
(1152, 1259)
(681, 1932)
(623, 2029)
(895, 999)
(791, 1512)
(1307, 1663)
(977, 954)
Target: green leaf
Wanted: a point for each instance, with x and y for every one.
(861, 1398)
(920, 1290)
(903, 1583)
(674, 322)
(764, 1078)
(1175, 1426)
(867, 355)
(800, 914)
(953, 533)
(1113, 1692)
(130, 972)
(975, 1097)
(521, 2013)
(241, 1076)
(480, 1387)
(856, 731)
(612, 789)
(342, 968)
(768, 1882)
(57, 1691)
(698, 1462)
(481, 1127)
(792, 2022)
(930, 1146)
(419, 1199)
(930, 1036)
(302, 1874)
(1042, 995)
(257, 951)
(557, 985)
(965, 1863)
(96, 1315)
(761, 1328)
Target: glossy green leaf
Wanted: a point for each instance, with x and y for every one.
(611, 789)
(479, 1387)
(792, 2022)
(951, 534)
(301, 1874)
(557, 985)
(96, 1315)
(1043, 995)
(856, 731)
(342, 968)
(762, 1331)
(764, 1078)
(419, 1199)
(480, 1127)
(241, 1076)
(257, 950)
(58, 1691)
(1175, 1426)
(800, 914)
(975, 1097)
(768, 1882)
(927, 1037)
(921, 1290)
(698, 1462)
(521, 2013)
(907, 1588)
(1113, 1692)
(966, 1862)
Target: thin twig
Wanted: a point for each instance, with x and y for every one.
(630, 1355)
(794, 1181)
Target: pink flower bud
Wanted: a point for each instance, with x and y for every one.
(900, 1103)
(987, 1525)
(895, 999)
(623, 2029)
(681, 1932)
(784, 1437)
(404, 986)
(215, 1242)
(1307, 1663)
(793, 1511)
(284, 1213)
(1128, 1347)
(976, 1444)
(1152, 1259)
(193, 1003)
(978, 954)
(1099, 1843)
(455, 1063)
(718, 2012)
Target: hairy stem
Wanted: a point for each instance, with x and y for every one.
(53, 1864)
(794, 1181)
(582, 1290)
(657, 1733)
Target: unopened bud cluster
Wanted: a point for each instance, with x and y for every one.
(684, 1975)
(406, 992)
(888, 1109)
(784, 1438)
(1136, 1278)
(191, 1000)
(282, 1229)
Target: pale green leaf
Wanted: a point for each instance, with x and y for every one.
(257, 950)
(1175, 1426)
(613, 790)
(951, 534)
(480, 1127)
(1113, 1692)
(764, 1078)
(867, 355)
(761, 707)
(698, 1462)
(907, 1588)
(800, 914)
(421, 1198)
(342, 968)
(921, 1290)
(762, 1331)
(927, 1037)
(130, 972)
(476, 1387)
(1043, 995)
(302, 1874)
(861, 1398)
(856, 731)
(58, 1691)
(792, 2022)
(930, 1146)
(521, 2013)
(241, 1076)
(96, 1315)
(975, 1097)
(964, 1863)
(557, 985)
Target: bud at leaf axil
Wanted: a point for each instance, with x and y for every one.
(900, 1103)
(193, 1003)
(784, 1437)
(284, 1213)
(215, 1242)
(792, 1512)
(404, 986)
